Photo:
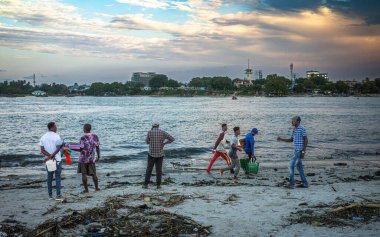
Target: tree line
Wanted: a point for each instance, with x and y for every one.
(272, 85)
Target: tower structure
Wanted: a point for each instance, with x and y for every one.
(34, 80)
(291, 71)
(248, 73)
(292, 76)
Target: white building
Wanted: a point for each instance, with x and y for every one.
(38, 93)
(143, 77)
(311, 73)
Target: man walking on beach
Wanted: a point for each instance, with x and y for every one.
(235, 146)
(249, 144)
(219, 149)
(157, 139)
(299, 137)
(89, 143)
(50, 144)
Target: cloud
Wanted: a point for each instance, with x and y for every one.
(293, 5)
(163, 4)
(369, 10)
(326, 34)
(48, 13)
(144, 22)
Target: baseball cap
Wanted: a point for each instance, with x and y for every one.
(255, 130)
(155, 124)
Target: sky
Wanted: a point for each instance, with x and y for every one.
(67, 41)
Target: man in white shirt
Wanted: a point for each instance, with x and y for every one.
(50, 144)
(235, 147)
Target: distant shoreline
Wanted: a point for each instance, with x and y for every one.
(303, 95)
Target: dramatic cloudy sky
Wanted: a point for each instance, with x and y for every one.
(106, 40)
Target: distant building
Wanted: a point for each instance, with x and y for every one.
(38, 93)
(248, 76)
(76, 87)
(310, 74)
(258, 75)
(143, 77)
(350, 84)
(239, 82)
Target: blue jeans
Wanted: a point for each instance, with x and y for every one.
(57, 179)
(296, 162)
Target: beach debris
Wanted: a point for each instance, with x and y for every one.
(310, 174)
(340, 164)
(339, 215)
(116, 217)
(333, 188)
(116, 184)
(146, 199)
(168, 180)
(366, 177)
(217, 182)
(232, 198)
(51, 209)
(14, 230)
(170, 200)
(140, 220)
(364, 198)
(93, 227)
(179, 164)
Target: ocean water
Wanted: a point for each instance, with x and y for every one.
(338, 128)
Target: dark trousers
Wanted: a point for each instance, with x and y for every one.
(154, 161)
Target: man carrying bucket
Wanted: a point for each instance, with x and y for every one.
(50, 144)
(249, 144)
(299, 138)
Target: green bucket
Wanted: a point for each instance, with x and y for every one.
(243, 163)
(252, 168)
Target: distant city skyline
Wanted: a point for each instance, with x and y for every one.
(71, 41)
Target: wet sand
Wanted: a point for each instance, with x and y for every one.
(255, 206)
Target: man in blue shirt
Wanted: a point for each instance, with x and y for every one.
(249, 144)
(299, 138)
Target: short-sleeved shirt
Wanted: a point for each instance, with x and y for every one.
(156, 138)
(233, 151)
(88, 144)
(223, 142)
(50, 141)
(297, 135)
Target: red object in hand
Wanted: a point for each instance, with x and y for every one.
(67, 155)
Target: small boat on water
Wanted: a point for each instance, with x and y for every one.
(234, 97)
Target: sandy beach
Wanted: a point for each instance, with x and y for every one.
(216, 206)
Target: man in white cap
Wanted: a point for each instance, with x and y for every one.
(157, 139)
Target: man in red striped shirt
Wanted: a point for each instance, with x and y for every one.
(219, 149)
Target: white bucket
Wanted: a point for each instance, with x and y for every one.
(51, 165)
